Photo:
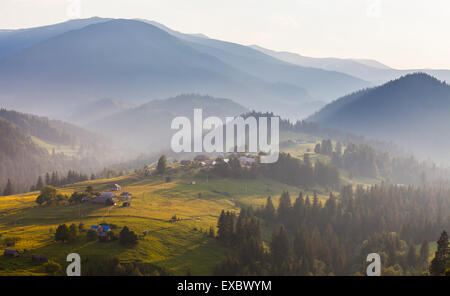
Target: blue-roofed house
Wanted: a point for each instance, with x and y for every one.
(102, 231)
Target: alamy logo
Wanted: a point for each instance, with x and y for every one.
(74, 268)
(255, 141)
(374, 267)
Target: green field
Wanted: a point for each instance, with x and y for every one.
(177, 246)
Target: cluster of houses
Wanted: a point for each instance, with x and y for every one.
(111, 199)
(14, 253)
(246, 160)
(105, 198)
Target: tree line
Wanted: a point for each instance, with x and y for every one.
(333, 236)
(287, 169)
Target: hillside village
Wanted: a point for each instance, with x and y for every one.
(114, 196)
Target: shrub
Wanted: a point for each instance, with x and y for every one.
(73, 232)
(62, 233)
(127, 237)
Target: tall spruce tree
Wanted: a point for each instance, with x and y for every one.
(9, 190)
(162, 165)
(269, 210)
(439, 261)
(39, 183)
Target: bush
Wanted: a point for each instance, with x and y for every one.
(48, 194)
(62, 233)
(127, 237)
(73, 232)
(52, 267)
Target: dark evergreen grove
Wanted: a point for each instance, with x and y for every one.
(287, 169)
(334, 237)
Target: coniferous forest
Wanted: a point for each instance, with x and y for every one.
(333, 237)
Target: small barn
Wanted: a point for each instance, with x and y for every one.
(104, 197)
(11, 253)
(111, 201)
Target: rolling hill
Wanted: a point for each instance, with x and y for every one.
(13, 41)
(96, 110)
(321, 84)
(33, 145)
(67, 65)
(127, 59)
(147, 128)
(413, 110)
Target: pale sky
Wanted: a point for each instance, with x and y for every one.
(401, 33)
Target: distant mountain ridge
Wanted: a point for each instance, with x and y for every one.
(95, 110)
(413, 110)
(366, 69)
(13, 41)
(138, 61)
(146, 128)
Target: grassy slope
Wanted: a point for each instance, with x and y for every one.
(50, 147)
(176, 246)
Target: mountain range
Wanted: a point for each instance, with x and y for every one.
(413, 111)
(366, 69)
(136, 61)
(146, 128)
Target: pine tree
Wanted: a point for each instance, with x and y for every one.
(221, 226)
(162, 165)
(8, 189)
(284, 207)
(439, 261)
(47, 179)
(269, 210)
(55, 179)
(279, 246)
(300, 243)
(39, 183)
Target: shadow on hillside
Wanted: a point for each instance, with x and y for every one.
(50, 215)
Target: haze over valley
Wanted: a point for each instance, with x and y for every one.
(88, 164)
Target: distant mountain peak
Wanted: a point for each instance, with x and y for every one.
(413, 111)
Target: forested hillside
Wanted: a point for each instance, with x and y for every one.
(32, 146)
(412, 111)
